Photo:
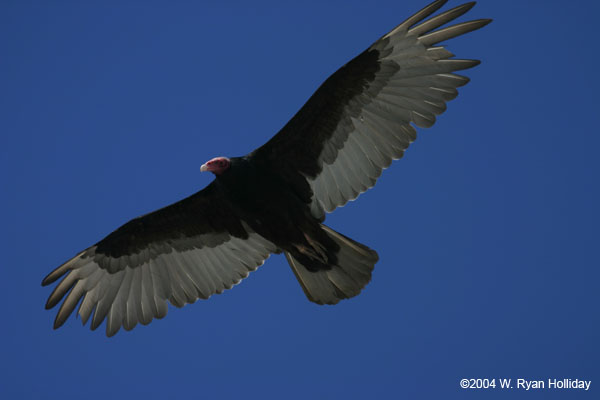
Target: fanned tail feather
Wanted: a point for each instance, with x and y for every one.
(346, 279)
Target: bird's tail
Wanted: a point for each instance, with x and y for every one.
(345, 279)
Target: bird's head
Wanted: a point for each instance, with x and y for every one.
(217, 165)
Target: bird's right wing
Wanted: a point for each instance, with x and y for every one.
(360, 119)
(192, 249)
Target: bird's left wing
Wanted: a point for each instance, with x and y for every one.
(360, 118)
(189, 250)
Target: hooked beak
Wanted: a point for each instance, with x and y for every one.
(204, 168)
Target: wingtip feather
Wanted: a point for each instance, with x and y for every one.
(453, 31)
(55, 275)
(441, 19)
(418, 17)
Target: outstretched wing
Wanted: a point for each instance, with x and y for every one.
(359, 119)
(189, 250)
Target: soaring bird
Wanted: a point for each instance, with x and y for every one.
(274, 199)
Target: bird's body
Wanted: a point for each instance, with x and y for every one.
(274, 200)
(274, 210)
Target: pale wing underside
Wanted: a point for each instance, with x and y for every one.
(140, 294)
(413, 84)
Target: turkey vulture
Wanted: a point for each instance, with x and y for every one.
(274, 199)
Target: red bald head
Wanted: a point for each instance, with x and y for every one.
(217, 165)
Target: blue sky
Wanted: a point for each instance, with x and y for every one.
(487, 229)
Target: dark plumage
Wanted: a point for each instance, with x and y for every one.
(274, 199)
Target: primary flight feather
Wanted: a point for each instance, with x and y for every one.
(274, 199)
